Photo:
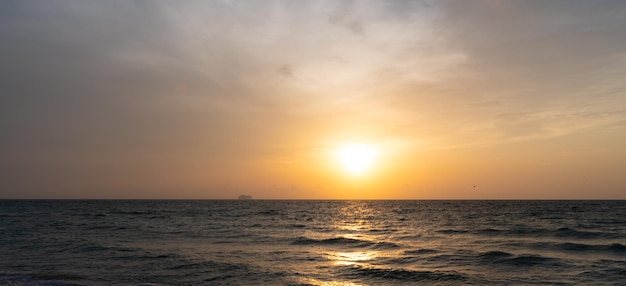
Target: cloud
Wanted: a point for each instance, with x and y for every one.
(209, 82)
(409, 57)
(524, 60)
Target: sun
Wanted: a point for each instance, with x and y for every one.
(356, 158)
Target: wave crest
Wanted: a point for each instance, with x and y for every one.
(406, 274)
(345, 241)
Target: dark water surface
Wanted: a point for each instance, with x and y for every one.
(312, 242)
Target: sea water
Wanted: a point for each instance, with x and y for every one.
(276, 242)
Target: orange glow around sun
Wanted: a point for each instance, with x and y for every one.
(356, 158)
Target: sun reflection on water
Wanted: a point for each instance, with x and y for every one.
(354, 243)
(354, 221)
(352, 258)
(355, 216)
(330, 283)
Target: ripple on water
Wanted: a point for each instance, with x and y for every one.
(345, 242)
(402, 275)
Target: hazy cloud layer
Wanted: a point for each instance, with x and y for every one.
(111, 95)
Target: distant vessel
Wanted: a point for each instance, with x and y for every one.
(245, 197)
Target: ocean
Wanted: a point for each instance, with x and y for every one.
(281, 242)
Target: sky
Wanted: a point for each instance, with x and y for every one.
(213, 99)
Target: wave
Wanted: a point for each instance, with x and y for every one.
(208, 264)
(92, 249)
(405, 260)
(404, 274)
(528, 260)
(420, 251)
(612, 273)
(573, 233)
(413, 237)
(91, 214)
(119, 212)
(494, 255)
(615, 248)
(209, 272)
(563, 232)
(384, 245)
(270, 212)
(102, 227)
(344, 241)
(48, 279)
(452, 231)
(525, 260)
(618, 247)
(376, 230)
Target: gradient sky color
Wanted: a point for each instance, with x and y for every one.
(213, 99)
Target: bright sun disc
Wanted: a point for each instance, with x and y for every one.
(356, 158)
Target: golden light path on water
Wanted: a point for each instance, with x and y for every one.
(356, 222)
(353, 258)
(352, 222)
(332, 283)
